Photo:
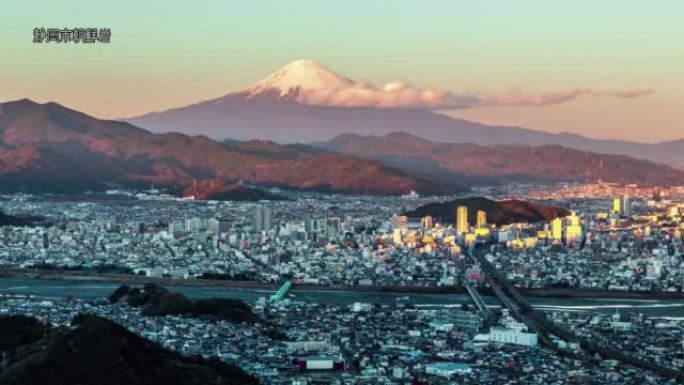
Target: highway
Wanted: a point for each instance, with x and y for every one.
(536, 321)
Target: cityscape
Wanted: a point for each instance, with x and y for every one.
(174, 214)
(628, 246)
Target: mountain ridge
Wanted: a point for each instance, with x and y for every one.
(47, 147)
(511, 162)
(290, 117)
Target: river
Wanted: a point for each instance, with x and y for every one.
(89, 290)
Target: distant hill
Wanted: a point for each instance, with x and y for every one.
(490, 164)
(47, 147)
(96, 351)
(11, 220)
(498, 212)
(158, 301)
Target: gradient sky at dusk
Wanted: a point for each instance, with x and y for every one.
(172, 53)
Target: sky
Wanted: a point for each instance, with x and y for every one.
(512, 55)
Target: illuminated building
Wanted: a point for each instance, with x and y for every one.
(411, 239)
(482, 232)
(574, 229)
(613, 223)
(530, 242)
(617, 206)
(557, 229)
(517, 243)
(462, 225)
(470, 240)
(396, 237)
(638, 236)
(481, 218)
(572, 233)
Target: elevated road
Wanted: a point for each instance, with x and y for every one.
(477, 299)
(536, 321)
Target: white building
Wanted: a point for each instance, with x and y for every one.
(361, 307)
(447, 369)
(512, 336)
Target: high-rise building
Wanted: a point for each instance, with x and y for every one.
(557, 229)
(262, 218)
(573, 231)
(626, 206)
(481, 218)
(427, 222)
(617, 206)
(462, 225)
(572, 234)
(333, 227)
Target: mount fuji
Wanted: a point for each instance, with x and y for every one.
(305, 102)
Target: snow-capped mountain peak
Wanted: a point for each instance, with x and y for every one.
(299, 77)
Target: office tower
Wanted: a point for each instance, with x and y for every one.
(573, 230)
(332, 227)
(616, 206)
(572, 234)
(481, 218)
(262, 218)
(427, 222)
(462, 219)
(399, 222)
(626, 206)
(557, 229)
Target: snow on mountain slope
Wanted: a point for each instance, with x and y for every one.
(298, 78)
(305, 102)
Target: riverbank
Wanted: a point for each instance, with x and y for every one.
(58, 275)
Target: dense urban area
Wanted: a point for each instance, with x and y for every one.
(615, 239)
